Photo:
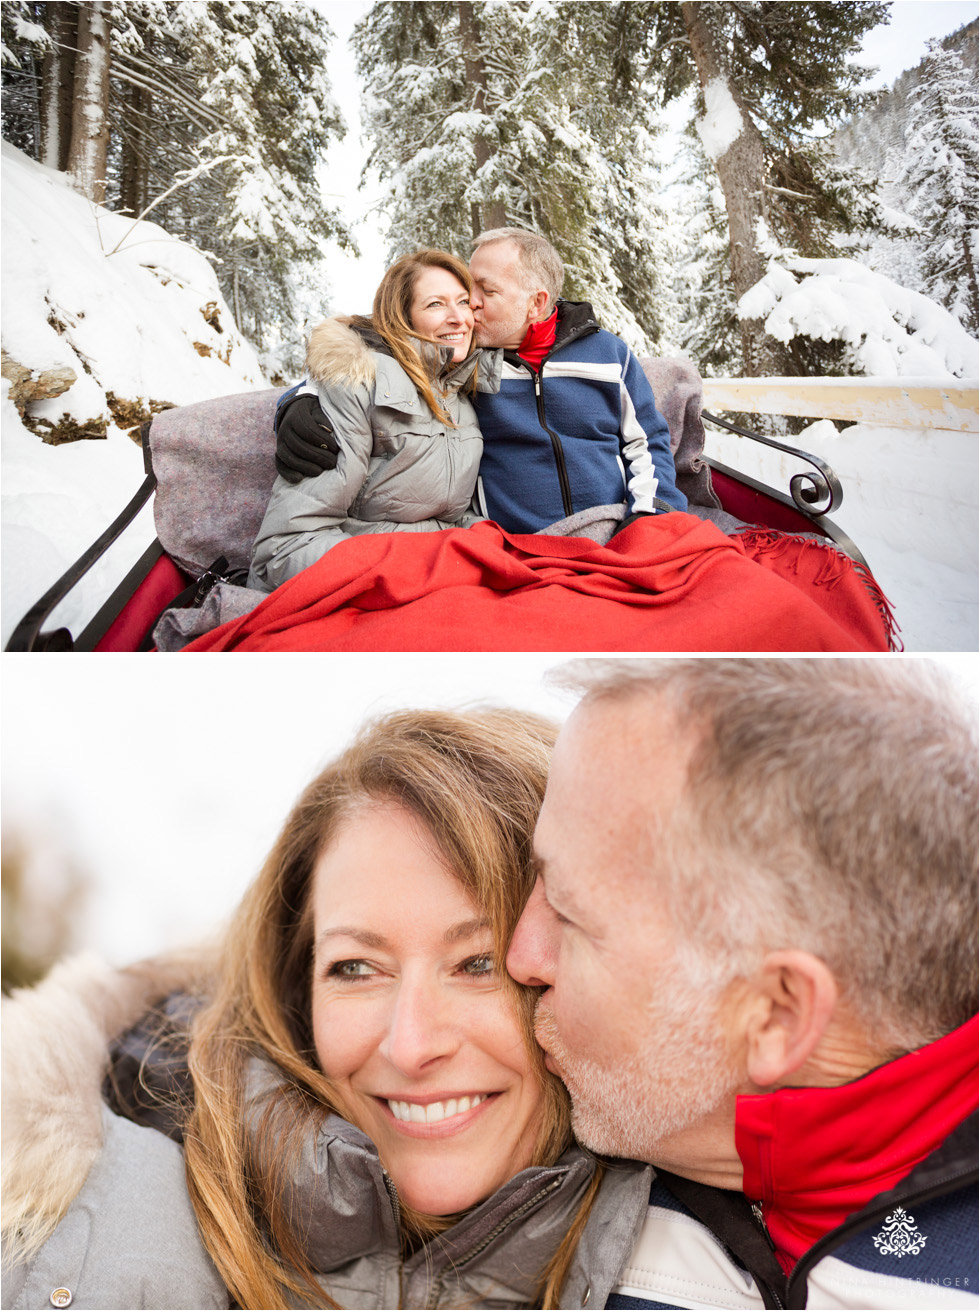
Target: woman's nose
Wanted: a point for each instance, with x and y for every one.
(421, 1027)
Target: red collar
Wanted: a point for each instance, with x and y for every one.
(539, 339)
(813, 1156)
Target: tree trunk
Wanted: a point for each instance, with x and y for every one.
(88, 154)
(236, 300)
(489, 214)
(134, 184)
(741, 171)
(57, 83)
(973, 290)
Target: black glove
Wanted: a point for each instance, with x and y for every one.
(662, 508)
(305, 442)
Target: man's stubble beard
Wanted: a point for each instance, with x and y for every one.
(500, 332)
(677, 1073)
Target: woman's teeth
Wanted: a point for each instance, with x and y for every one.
(435, 1111)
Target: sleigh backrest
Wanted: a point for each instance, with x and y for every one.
(678, 392)
(215, 465)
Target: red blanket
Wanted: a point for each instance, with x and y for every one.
(670, 583)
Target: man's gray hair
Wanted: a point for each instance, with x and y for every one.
(830, 805)
(539, 263)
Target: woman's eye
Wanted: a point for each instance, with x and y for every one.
(479, 965)
(351, 969)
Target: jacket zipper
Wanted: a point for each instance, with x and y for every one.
(396, 1209)
(436, 1291)
(763, 1285)
(558, 450)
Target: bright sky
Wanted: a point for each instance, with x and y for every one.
(893, 48)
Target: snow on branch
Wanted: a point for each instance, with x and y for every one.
(887, 330)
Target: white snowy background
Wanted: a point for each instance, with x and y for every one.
(166, 782)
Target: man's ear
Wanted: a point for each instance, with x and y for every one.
(793, 999)
(538, 306)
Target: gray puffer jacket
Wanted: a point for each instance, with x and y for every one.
(399, 468)
(96, 1208)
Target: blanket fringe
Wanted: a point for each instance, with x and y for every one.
(835, 566)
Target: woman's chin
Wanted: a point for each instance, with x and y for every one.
(439, 1198)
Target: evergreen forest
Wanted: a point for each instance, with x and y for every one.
(672, 152)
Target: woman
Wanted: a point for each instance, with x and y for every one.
(392, 389)
(369, 1121)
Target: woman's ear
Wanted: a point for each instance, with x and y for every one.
(793, 999)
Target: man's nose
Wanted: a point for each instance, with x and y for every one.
(476, 300)
(421, 1027)
(533, 952)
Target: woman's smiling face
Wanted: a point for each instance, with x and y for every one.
(411, 1019)
(441, 311)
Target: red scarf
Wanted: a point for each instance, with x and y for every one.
(539, 339)
(813, 1156)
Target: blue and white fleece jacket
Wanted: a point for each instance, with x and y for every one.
(910, 1248)
(582, 431)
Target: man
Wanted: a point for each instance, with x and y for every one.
(756, 928)
(575, 424)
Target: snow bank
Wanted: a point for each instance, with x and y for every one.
(137, 317)
(887, 330)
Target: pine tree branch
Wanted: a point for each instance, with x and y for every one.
(135, 77)
(181, 182)
(785, 191)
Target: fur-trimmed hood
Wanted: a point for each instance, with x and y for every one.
(55, 1053)
(346, 351)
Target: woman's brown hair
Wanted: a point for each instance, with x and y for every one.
(392, 316)
(476, 780)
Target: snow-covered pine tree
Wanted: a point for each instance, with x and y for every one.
(483, 114)
(940, 174)
(773, 79)
(262, 70)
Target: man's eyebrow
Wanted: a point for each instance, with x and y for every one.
(554, 891)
